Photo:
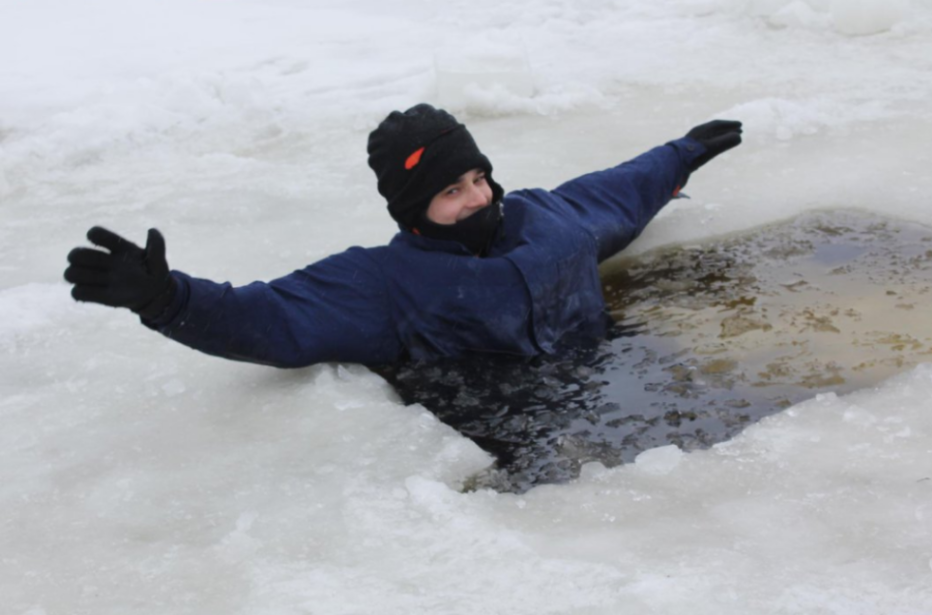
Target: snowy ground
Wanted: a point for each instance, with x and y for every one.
(138, 476)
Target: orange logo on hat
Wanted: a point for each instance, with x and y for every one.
(413, 159)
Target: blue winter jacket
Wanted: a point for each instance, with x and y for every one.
(425, 298)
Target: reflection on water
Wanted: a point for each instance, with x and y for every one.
(707, 339)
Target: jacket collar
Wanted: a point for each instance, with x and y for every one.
(429, 244)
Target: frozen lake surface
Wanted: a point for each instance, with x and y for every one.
(139, 476)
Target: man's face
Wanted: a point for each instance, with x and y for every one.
(461, 199)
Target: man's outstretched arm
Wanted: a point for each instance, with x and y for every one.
(616, 204)
(334, 310)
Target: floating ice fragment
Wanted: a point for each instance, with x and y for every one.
(660, 460)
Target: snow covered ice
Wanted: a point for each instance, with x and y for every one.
(139, 476)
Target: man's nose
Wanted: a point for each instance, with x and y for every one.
(477, 197)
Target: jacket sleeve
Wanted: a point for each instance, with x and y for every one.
(333, 310)
(616, 204)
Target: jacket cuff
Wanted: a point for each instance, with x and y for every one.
(175, 307)
(689, 150)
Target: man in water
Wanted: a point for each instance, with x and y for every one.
(471, 271)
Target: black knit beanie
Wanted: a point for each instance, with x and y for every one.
(418, 153)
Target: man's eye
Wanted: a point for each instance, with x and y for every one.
(479, 180)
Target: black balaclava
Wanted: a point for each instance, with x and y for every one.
(418, 153)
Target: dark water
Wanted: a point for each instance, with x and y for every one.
(707, 339)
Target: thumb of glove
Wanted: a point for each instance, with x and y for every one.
(161, 287)
(155, 254)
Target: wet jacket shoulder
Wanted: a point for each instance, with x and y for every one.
(428, 298)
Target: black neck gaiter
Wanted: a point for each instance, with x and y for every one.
(475, 232)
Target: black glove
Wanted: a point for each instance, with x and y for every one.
(717, 136)
(127, 277)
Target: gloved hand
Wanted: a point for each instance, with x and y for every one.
(717, 136)
(127, 276)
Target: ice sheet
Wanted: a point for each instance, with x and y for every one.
(136, 475)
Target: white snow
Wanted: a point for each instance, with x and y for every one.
(139, 476)
(660, 460)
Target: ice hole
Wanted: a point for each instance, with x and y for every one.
(707, 339)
